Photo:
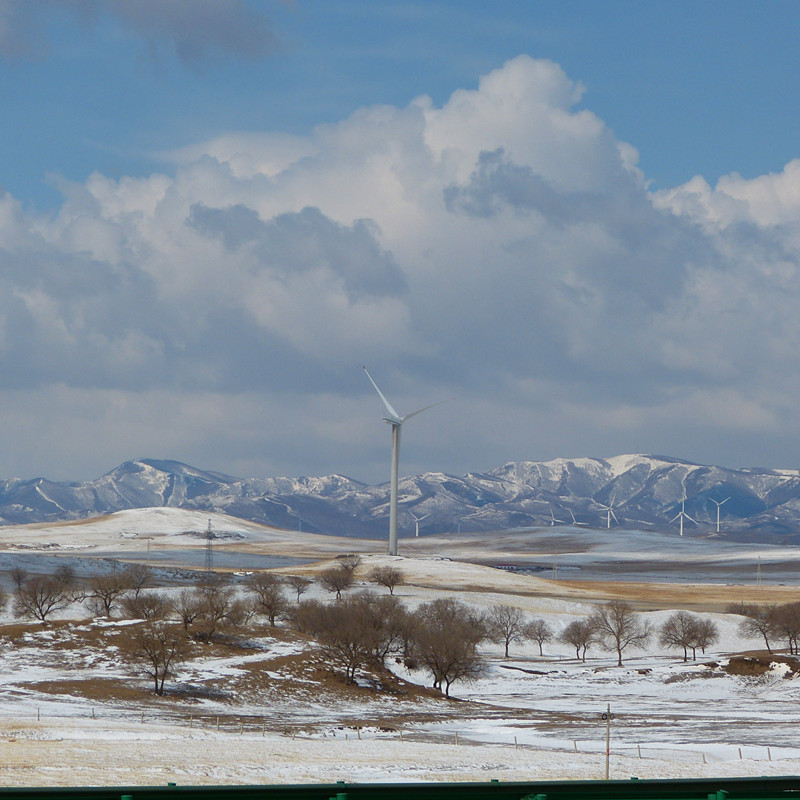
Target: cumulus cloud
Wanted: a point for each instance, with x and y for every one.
(502, 247)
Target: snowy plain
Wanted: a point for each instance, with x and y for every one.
(529, 717)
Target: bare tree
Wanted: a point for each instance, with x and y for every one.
(351, 562)
(18, 575)
(540, 632)
(211, 607)
(42, 595)
(760, 621)
(146, 605)
(505, 624)
(618, 627)
(219, 607)
(347, 641)
(269, 599)
(104, 591)
(387, 618)
(140, 576)
(446, 640)
(189, 607)
(579, 633)
(786, 624)
(303, 617)
(679, 630)
(390, 577)
(299, 583)
(707, 634)
(336, 579)
(157, 647)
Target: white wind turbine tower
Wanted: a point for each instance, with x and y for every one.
(396, 421)
(553, 519)
(417, 521)
(610, 512)
(718, 504)
(683, 515)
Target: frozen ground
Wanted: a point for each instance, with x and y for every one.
(72, 712)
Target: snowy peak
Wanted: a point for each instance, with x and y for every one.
(644, 491)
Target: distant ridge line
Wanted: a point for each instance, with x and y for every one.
(646, 492)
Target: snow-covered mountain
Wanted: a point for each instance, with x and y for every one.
(643, 492)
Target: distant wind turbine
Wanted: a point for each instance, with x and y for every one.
(553, 519)
(681, 515)
(574, 521)
(396, 421)
(718, 504)
(417, 521)
(610, 512)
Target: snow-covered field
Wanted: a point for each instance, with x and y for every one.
(72, 712)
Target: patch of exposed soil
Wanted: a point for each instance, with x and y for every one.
(761, 665)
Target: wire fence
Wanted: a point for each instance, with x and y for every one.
(255, 725)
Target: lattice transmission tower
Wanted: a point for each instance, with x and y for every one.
(209, 548)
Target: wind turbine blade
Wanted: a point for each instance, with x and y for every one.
(420, 410)
(725, 501)
(611, 510)
(691, 518)
(393, 415)
(677, 516)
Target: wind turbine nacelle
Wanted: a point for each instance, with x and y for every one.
(390, 421)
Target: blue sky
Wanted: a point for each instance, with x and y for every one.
(698, 87)
(578, 218)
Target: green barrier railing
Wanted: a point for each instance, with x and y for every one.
(771, 788)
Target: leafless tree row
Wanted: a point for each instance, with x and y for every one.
(771, 623)
(359, 629)
(615, 626)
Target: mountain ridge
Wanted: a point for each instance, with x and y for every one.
(643, 491)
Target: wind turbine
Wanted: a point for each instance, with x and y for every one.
(682, 514)
(718, 504)
(417, 521)
(574, 521)
(396, 421)
(553, 519)
(610, 509)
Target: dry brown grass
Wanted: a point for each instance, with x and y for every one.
(692, 597)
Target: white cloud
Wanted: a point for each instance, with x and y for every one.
(502, 247)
